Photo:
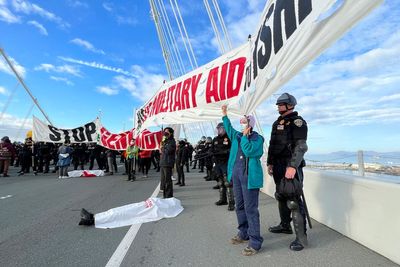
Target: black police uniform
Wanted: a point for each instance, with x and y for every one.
(287, 133)
(220, 148)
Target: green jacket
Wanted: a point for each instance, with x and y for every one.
(132, 152)
(252, 147)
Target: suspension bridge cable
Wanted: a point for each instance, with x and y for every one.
(24, 85)
(214, 26)
(25, 120)
(181, 33)
(186, 34)
(155, 16)
(221, 21)
(10, 97)
(172, 37)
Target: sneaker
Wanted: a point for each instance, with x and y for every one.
(145, 176)
(172, 178)
(59, 177)
(281, 229)
(249, 251)
(238, 240)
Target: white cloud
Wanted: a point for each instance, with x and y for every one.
(39, 26)
(7, 16)
(28, 8)
(6, 69)
(14, 127)
(96, 65)
(3, 91)
(62, 79)
(108, 6)
(121, 19)
(59, 69)
(107, 90)
(389, 98)
(87, 45)
(143, 86)
(75, 3)
(126, 20)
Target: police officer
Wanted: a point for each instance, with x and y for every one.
(221, 146)
(285, 161)
(200, 153)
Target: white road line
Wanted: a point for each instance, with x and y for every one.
(6, 197)
(119, 254)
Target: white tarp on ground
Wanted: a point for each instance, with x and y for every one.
(291, 33)
(86, 173)
(153, 209)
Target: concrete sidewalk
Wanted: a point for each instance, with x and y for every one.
(200, 236)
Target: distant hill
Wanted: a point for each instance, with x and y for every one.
(383, 158)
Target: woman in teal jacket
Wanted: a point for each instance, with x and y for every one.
(245, 171)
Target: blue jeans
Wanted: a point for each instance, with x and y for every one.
(247, 209)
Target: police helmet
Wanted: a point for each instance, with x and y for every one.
(286, 98)
(209, 139)
(203, 138)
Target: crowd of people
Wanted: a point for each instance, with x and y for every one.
(232, 158)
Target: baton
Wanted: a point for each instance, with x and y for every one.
(300, 175)
(306, 210)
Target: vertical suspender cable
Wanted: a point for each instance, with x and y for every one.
(221, 21)
(157, 23)
(172, 38)
(214, 26)
(180, 31)
(187, 37)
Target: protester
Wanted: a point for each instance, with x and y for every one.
(145, 156)
(7, 151)
(167, 161)
(131, 156)
(244, 169)
(64, 159)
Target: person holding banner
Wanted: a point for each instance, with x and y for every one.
(244, 170)
(285, 163)
(167, 161)
(131, 156)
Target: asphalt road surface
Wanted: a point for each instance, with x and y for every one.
(39, 218)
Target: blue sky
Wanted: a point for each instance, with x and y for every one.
(80, 57)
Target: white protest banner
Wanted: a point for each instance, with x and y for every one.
(291, 34)
(43, 132)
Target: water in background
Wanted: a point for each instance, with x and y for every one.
(378, 166)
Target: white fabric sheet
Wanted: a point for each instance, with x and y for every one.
(153, 209)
